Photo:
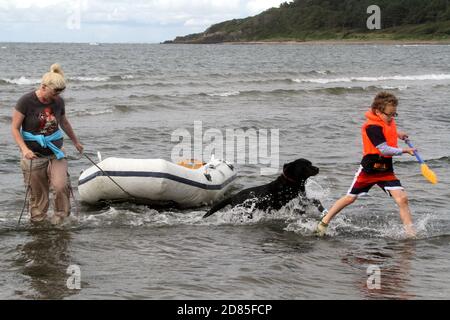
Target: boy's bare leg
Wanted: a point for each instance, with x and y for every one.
(334, 210)
(401, 199)
(337, 207)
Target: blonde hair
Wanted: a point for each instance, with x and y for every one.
(55, 78)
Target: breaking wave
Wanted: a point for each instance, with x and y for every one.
(375, 79)
(27, 81)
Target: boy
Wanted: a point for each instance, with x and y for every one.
(379, 134)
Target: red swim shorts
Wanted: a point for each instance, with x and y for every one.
(363, 182)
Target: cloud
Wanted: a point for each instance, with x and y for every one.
(194, 22)
(180, 16)
(257, 6)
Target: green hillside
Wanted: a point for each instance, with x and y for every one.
(303, 20)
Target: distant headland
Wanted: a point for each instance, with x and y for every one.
(335, 21)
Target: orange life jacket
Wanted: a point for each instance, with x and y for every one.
(389, 131)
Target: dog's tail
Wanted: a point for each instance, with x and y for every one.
(217, 207)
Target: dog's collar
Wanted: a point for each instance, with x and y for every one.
(289, 179)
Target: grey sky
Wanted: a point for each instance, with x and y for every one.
(148, 21)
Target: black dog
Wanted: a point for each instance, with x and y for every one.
(289, 185)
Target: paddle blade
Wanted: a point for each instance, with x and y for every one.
(428, 173)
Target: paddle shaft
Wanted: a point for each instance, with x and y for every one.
(415, 152)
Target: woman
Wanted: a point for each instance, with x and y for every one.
(380, 136)
(36, 120)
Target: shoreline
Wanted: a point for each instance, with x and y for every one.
(343, 42)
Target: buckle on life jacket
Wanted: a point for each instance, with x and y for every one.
(380, 166)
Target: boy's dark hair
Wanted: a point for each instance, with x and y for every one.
(382, 99)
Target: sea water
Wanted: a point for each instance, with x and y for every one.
(127, 100)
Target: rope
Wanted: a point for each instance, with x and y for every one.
(77, 211)
(107, 175)
(26, 193)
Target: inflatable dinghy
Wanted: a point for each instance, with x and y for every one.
(156, 181)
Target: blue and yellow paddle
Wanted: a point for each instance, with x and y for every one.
(426, 172)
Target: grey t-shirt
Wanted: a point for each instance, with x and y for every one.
(41, 118)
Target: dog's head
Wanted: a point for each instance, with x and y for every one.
(299, 170)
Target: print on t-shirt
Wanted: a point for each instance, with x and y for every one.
(47, 122)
